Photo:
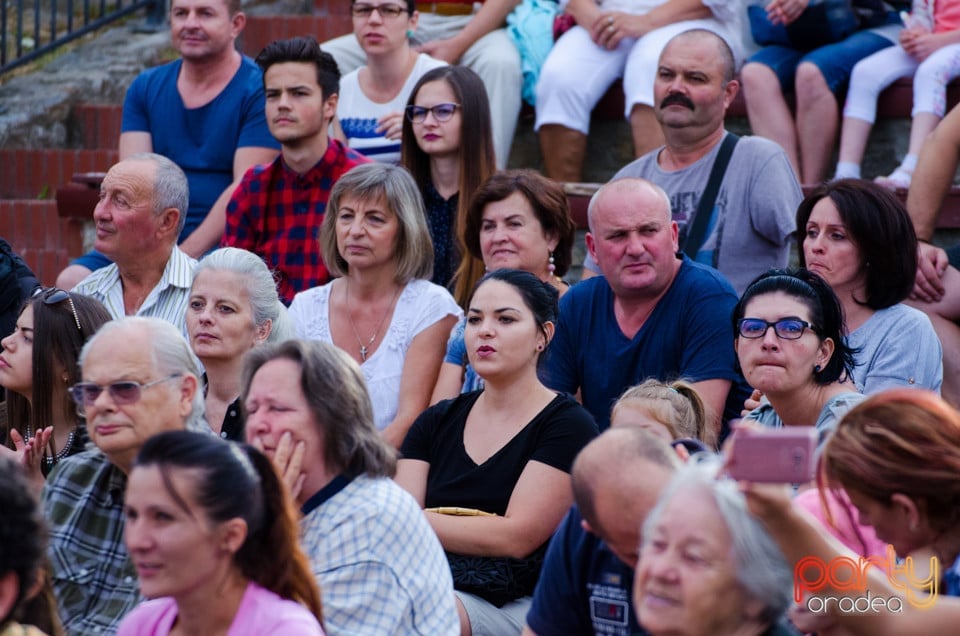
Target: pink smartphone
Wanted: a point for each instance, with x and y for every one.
(776, 455)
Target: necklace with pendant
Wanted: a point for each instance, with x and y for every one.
(365, 348)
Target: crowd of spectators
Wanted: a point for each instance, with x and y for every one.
(379, 408)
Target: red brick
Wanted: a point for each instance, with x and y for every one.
(8, 173)
(6, 220)
(72, 233)
(261, 30)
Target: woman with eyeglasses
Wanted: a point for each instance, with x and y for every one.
(233, 307)
(370, 106)
(214, 538)
(447, 145)
(42, 422)
(790, 344)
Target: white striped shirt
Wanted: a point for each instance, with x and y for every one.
(168, 300)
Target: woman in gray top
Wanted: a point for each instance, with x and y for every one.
(859, 238)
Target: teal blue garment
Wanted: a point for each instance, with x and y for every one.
(530, 26)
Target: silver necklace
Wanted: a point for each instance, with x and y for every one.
(365, 348)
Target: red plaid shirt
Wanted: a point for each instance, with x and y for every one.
(276, 214)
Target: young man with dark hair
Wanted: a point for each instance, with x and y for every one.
(277, 209)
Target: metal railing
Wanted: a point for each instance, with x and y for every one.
(32, 28)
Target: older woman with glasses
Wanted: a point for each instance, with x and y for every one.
(372, 98)
(42, 423)
(791, 346)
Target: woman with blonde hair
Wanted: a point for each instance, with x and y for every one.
(382, 310)
(669, 410)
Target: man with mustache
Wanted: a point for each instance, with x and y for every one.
(204, 112)
(752, 218)
(277, 209)
(651, 314)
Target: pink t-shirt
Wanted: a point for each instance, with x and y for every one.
(846, 524)
(946, 16)
(260, 612)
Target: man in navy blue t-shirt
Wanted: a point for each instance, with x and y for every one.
(652, 313)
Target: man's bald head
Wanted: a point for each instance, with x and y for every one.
(703, 37)
(617, 478)
(636, 191)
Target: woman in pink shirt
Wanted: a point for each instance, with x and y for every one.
(213, 536)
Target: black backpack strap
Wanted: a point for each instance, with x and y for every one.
(697, 229)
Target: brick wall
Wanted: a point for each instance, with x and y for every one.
(31, 174)
(45, 241)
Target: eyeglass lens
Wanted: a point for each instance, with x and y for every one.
(786, 328)
(385, 10)
(441, 112)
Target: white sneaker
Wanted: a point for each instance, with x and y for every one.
(899, 179)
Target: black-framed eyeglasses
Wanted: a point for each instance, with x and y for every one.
(386, 11)
(441, 112)
(55, 296)
(785, 328)
(122, 392)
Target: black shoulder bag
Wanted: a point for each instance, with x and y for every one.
(697, 228)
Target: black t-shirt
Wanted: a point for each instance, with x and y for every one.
(553, 437)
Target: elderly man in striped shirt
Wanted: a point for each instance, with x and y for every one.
(143, 203)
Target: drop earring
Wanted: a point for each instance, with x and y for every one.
(409, 34)
(551, 267)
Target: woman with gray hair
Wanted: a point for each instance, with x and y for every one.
(383, 311)
(233, 307)
(707, 566)
(378, 563)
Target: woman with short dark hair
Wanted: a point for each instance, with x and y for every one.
(517, 219)
(859, 238)
(790, 344)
